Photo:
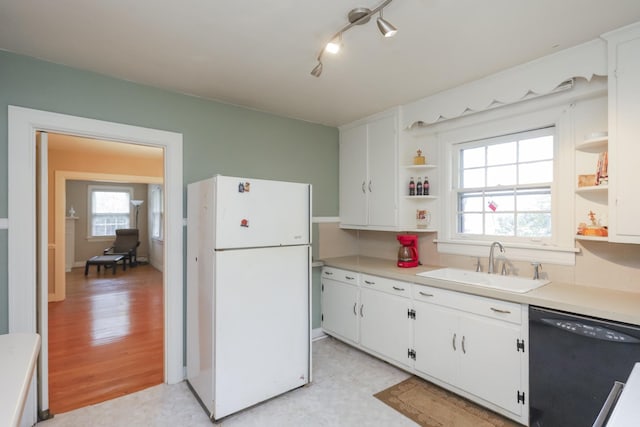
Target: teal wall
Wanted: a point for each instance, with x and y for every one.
(218, 138)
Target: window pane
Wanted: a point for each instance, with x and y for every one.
(106, 225)
(110, 202)
(471, 202)
(501, 175)
(536, 149)
(534, 224)
(472, 157)
(473, 178)
(470, 223)
(500, 202)
(500, 154)
(533, 173)
(534, 202)
(499, 224)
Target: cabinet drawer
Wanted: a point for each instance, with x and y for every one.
(383, 284)
(340, 275)
(489, 307)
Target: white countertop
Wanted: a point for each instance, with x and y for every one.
(627, 411)
(18, 356)
(589, 301)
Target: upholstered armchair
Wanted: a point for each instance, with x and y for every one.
(126, 244)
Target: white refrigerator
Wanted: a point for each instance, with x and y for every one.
(248, 291)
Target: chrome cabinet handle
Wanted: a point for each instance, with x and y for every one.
(361, 307)
(349, 277)
(398, 289)
(424, 294)
(369, 186)
(369, 282)
(363, 189)
(497, 310)
(328, 273)
(454, 342)
(464, 350)
(355, 313)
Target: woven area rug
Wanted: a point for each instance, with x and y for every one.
(432, 406)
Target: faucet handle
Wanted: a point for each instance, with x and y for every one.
(536, 270)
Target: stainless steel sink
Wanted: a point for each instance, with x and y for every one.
(485, 280)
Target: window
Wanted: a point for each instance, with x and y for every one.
(157, 211)
(109, 209)
(503, 186)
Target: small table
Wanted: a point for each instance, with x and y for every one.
(106, 260)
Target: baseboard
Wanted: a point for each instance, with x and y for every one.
(317, 334)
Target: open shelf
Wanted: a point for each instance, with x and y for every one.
(420, 197)
(593, 189)
(419, 167)
(594, 145)
(592, 238)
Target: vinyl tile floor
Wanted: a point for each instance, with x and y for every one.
(341, 394)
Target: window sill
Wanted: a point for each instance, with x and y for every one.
(108, 239)
(544, 253)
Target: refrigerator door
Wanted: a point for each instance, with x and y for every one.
(262, 326)
(258, 213)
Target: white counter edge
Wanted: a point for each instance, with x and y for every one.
(18, 356)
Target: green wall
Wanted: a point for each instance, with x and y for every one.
(218, 138)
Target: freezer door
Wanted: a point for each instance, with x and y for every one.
(262, 327)
(257, 213)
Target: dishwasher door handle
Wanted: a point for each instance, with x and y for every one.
(614, 394)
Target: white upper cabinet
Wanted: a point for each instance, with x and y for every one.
(624, 133)
(368, 173)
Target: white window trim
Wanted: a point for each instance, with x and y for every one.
(93, 187)
(535, 114)
(152, 189)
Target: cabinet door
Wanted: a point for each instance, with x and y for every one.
(624, 148)
(436, 341)
(491, 365)
(385, 327)
(382, 167)
(339, 309)
(353, 176)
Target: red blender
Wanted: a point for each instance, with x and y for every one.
(408, 252)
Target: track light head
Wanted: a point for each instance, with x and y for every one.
(317, 70)
(385, 27)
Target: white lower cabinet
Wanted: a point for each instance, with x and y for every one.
(340, 304)
(474, 353)
(475, 346)
(385, 323)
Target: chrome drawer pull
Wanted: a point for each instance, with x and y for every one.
(497, 310)
(424, 294)
(328, 273)
(349, 277)
(369, 283)
(398, 289)
(454, 342)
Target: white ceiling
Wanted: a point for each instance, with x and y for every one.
(258, 54)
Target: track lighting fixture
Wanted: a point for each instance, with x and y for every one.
(357, 16)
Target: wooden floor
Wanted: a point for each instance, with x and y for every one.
(106, 337)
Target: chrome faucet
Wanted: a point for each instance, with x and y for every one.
(491, 262)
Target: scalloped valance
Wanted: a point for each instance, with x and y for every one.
(536, 78)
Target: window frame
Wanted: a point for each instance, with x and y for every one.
(106, 188)
(541, 113)
(458, 190)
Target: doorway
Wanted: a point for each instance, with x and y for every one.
(105, 331)
(22, 274)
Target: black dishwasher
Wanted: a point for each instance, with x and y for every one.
(573, 363)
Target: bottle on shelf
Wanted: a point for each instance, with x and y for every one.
(419, 187)
(412, 187)
(425, 186)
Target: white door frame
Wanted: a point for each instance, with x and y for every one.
(23, 124)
